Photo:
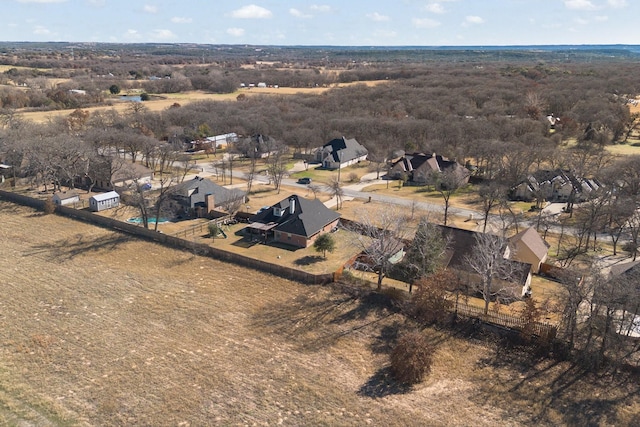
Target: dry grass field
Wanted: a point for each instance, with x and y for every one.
(164, 101)
(102, 329)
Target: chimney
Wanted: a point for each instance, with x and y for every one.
(210, 202)
(292, 206)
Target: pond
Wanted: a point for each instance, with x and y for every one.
(152, 220)
(133, 98)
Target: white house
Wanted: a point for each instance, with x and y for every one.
(104, 201)
(64, 198)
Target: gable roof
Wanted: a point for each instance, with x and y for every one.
(308, 216)
(531, 239)
(627, 269)
(462, 243)
(204, 187)
(343, 150)
(64, 195)
(105, 196)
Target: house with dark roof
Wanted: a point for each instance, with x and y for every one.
(528, 246)
(419, 168)
(462, 244)
(624, 297)
(200, 196)
(341, 152)
(555, 186)
(108, 173)
(294, 221)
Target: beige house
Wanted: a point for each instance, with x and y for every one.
(530, 248)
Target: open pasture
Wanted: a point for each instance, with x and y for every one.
(99, 328)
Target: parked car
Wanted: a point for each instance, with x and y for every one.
(305, 181)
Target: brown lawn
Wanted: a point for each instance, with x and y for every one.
(99, 328)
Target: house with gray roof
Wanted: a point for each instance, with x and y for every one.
(294, 221)
(200, 196)
(341, 152)
(461, 244)
(420, 168)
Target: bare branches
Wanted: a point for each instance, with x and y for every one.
(497, 273)
(380, 237)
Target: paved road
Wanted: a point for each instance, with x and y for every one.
(352, 191)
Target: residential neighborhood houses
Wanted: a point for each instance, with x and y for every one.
(555, 186)
(421, 169)
(199, 197)
(340, 153)
(296, 222)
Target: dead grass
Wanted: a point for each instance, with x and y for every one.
(164, 101)
(102, 329)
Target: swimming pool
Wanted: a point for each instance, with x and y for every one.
(151, 220)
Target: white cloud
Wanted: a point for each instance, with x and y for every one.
(617, 3)
(435, 8)
(375, 16)
(581, 21)
(162, 35)
(251, 12)
(40, 30)
(149, 8)
(41, 1)
(601, 18)
(298, 13)
(320, 8)
(579, 4)
(425, 23)
(473, 20)
(236, 32)
(181, 20)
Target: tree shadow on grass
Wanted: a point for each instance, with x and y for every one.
(67, 249)
(382, 384)
(308, 260)
(558, 392)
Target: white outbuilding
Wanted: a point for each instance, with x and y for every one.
(64, 198)
(104, 201)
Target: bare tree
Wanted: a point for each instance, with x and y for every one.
(490, 195)
(447, 183)
(380, 236)
(496, 273)
(277, 170)
(335, 190)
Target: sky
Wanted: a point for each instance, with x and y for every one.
(325, 22)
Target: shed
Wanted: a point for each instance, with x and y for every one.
(104, 201)
(63, 198)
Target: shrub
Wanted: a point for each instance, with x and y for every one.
(325, 243)
(49, 207)
(411, 358)
(213, 229)
(430, 303)
(353, 177)
(145, 97)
